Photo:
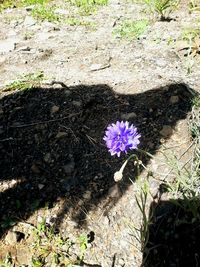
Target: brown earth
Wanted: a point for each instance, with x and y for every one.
(53, 161)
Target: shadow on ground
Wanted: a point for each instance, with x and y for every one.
(174, 234)
(51, 145)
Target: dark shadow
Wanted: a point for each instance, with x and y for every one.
(167, 19)
(174, 234)
(51, 143)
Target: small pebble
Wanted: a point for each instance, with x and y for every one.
(40, 186)
(174, 99)
(166, 131)
(61, 134)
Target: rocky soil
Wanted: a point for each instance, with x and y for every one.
(53, 161)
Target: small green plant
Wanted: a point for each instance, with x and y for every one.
(7, 4)
(194, 125)
(196, 102)
(195, 120)
(34, 2)
(87, 7)
(135, 1)
(144, 228)
(191, 207)
(141, 233)
(162, 8)
(50, 244)
(132, 29)
(170, 40)
(9, 18)
(26, 82)
(80, 3)
(72, 21)
(60, 251)
(186, 181)
(83, 243)
(194, 6)
(182, 182)
(191, 36)
(42, 12)
(7, 262)
(28, 35)
(19, 3)
(38, 261)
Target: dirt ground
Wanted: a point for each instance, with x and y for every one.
(53, 161)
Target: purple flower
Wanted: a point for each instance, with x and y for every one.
(120, 137)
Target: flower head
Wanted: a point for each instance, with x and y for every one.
(121, 137)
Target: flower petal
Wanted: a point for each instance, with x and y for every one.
(120, 137)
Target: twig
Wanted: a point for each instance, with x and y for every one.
(92, 140)
(57, 82)
(7, 139)
(43, 122)
(178, 159)
(167, 148)
(114, 260)
(101, 67)
(90, 265)
(67, 128)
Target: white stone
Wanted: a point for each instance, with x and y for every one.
(29, 21)
(11, 33)
(7, 45)
(42, 36)
(95, 67)
(40, 186)
(61, 11)
(2, 60)
(161, 63)
(11, 238)
(87, 195)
